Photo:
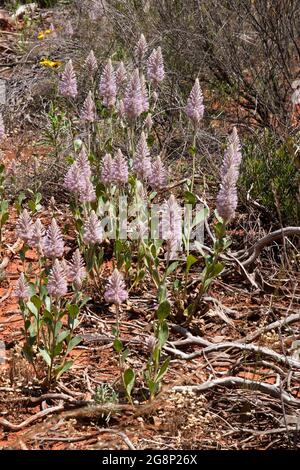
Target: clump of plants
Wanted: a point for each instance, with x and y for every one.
(271, 174)
(122, 203)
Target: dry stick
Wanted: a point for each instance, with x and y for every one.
(122, 435)
(240, 382)
(17, 427)
(10, 252)
(276, 324)
(67, 439)
(287, 361)
(210, 347)
(37, 400)
(256, 249)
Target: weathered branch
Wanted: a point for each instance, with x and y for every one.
(239, 382)
(257, 248)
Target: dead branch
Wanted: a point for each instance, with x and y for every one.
(210, 347)
(33, 401)
(239, 382)
(257, 248)
(272, 326)
(10, 252)
(17, 427)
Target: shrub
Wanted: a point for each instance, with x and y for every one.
(270, 173)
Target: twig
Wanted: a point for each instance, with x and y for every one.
(240, 382)
(276, 324)
(17, 427)
(66, 439)
(122, 435)
(9, 252)
(37, 400)
(256, 249)
(210, 347)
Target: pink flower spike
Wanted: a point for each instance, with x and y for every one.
(53, 244)
(68, 82)
(77, 271)
(155, 67)
(87, 192)
(134, 100)
(88, 112)
(142, 161)
(195, 108)
(22, 289)
(159, 176)
(144, 94)
(148, 122)
(91, 63)
(227, 198)
(57, 282)
(108, 170)
(24, 226)
(92, 230)
(121, 74)
(108, 86)
(141, 49)
(120, 169)
(36, 240)
(116, 292)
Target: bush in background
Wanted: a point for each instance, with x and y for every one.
(270, 173)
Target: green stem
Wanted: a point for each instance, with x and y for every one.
(194, 160)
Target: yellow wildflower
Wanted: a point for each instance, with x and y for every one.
(50, 63)
(43, 34)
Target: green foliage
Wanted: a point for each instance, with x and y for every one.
(156, 369)
(269, 170)
(105, 395)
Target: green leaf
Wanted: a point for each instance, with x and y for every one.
(200, 217)
(57, 349)
(32, 308)
(129, 379)
(45, 356)
(36, 301)
(192, 151)
(73, 343)
(190, 261)
(163, 334)
(163, 369)
(217, 268)
(118, 345)
(171, 268)
(58, 327)
(4, 218)
(189, 310)
(73, 310)
(62, 336)
(27, 350)
(189, 198)
(162, 293)
(125, 354)
(62, 369)
(152, 386)
(163, 310)
(47, 317)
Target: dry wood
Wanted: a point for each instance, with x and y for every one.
(272, 390)
(17, 427)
